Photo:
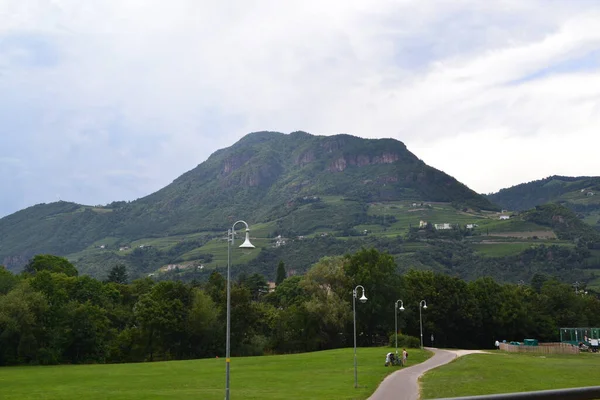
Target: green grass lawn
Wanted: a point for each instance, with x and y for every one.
(321, 375)
(501, 372)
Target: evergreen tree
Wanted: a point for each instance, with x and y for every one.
(118, 274)
(281, 274)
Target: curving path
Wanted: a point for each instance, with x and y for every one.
(404, 383)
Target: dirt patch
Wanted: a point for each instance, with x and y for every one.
(465, 352)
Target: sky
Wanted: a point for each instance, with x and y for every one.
(111, 100)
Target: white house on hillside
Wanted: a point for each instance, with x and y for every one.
(443, 226)
(504, 217)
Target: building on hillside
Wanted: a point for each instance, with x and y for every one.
(504, 217)
(422, 224)
(472, 226)
(279, 241)
(443, 226)
(173, 267)
(589, 194)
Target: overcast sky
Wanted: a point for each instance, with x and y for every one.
(105, 100)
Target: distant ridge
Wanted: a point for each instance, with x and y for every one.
(548, 190)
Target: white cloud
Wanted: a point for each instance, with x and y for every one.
(113, 99)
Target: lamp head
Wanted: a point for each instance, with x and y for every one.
(363, 298)
(425, 306)
(401, 308)
(247, 244)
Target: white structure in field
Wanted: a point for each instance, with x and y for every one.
(443, 226)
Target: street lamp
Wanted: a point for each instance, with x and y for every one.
(422, 304)
(245, 245)
(362, 299)
(396, 319)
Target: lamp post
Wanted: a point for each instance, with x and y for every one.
(362, 299)
(422, 304)
(396, 319)
(245, 245)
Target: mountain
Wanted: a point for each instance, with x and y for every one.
(286, 184)
(579, 194)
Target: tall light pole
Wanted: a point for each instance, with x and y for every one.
(422, 304)
(396, 319)
(362, 299)
(245, 245)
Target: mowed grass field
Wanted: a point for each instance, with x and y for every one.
(500, 372)
(320, 375)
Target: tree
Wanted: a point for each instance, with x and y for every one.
(48, 262)
(87, 333)
(162, 314)
(7, 280)
(281, 274)
(118, 274)
(204, 326)
(21, 324)
(376, 272)
(216, 287)
(256, 283)
(289, 292)
(328, 309)
(537, 281)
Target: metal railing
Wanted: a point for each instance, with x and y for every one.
(582, 393)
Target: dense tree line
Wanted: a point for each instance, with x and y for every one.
(49, 314)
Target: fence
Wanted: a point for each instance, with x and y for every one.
(543, 348)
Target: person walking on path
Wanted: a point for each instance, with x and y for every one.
(404, 357)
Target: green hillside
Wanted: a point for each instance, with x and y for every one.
(306, 197)
(294, 185)
(579, 194)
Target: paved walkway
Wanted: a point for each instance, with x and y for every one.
(404, 383)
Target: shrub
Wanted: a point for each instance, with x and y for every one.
(405, 341)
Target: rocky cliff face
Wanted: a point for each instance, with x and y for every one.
(234, 162)
(341, 163)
